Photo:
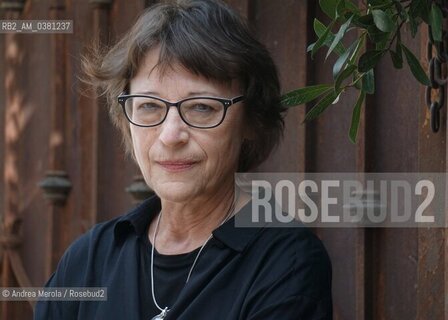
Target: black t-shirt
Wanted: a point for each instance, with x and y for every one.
(242, 274)
(170, 276)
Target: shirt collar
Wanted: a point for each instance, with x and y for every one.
(138, 219)
(235, 236)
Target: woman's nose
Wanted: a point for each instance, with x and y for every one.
(173, 130)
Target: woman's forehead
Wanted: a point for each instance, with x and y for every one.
(151, 76)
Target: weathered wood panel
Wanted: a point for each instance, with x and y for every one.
(2, 121)
(283, 29)
(331, 151)
(431, 257)
(47, 123)
(395, 149)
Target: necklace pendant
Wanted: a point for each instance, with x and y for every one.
(162, 314)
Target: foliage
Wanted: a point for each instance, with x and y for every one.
(378, 25)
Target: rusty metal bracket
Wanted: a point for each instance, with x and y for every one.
(436, 66)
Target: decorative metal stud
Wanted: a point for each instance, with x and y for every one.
(17, 5)
(101, 2)
(56, 187)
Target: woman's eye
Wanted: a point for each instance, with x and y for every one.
(203, 108)
(149, 107)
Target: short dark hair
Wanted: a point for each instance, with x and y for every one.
(209, 39)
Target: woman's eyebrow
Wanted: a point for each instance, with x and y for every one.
(189, 94)
(198, 93)
(150, 93)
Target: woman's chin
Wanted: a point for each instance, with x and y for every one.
(176, 191)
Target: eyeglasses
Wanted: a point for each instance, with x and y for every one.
(197, 112)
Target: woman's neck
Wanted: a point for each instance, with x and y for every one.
(184, 227)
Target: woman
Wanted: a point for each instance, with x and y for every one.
(196, 98)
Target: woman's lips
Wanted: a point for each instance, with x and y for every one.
(176, 166)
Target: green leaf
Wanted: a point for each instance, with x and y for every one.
(340, 9)
(402, 13)
(304, 95)
(364, 21)
(368, 82)
(350, 6)
(384, 44)
(337, 39)
(347, 72)
(320, 28)
(383, 21)
(415, 66)
(381, 45)
(435, 20)
(376, 2)
(342, 60)
(413, 25)
(357, 81)
(323, 104)
(337, 9)
(356, 115)
(329, 7)
(369, 60)
(376, 35)
(322, 39)
(397, 56)
(397, 59)
(419, 8)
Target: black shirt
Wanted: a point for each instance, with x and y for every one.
(242, 273)
(170, 275)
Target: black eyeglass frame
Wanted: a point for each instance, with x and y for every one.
(122, 98)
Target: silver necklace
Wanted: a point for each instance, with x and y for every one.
(163, 312)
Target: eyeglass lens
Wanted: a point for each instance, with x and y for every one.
(201, 112)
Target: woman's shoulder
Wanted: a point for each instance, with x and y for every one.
(281, 244)
(104, 239)
(292, 273)
(79, 254)
(297, 254)
(115, 229)
(297, 242)
(98, 232)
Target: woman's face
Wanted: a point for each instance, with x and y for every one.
(180, 162)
